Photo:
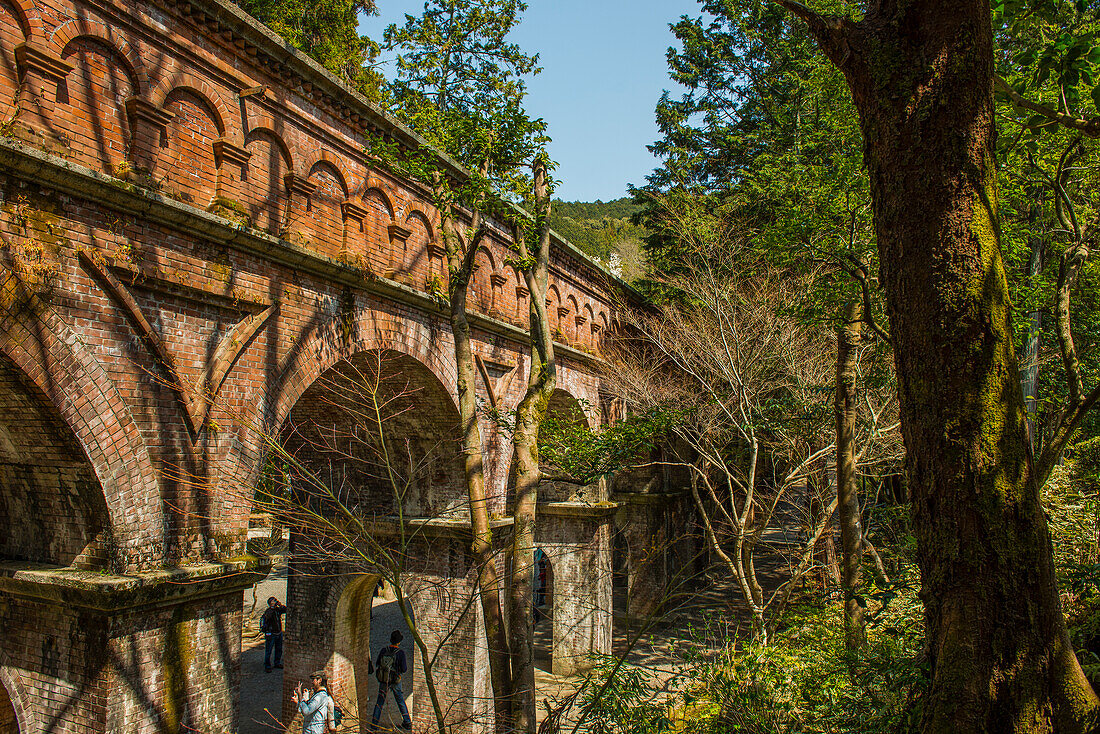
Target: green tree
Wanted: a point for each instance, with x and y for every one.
(328, 31)
(921, 76)
(461, 85)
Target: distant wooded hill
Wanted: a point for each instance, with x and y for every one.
(603, 230)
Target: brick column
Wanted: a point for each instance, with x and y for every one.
(576, 538)
(496, 283)
(230, 159)
(147, 130)
(398, 237)
(150, 652)
(325, 629)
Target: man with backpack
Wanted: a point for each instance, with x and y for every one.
(388, 668)
(271, 624)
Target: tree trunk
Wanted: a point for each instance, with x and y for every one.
(1029, 379)
(825, 549)
(541, 381)
(481, 547)
(851, 532)
(921, 72)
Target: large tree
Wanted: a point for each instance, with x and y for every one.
(461, 84)
(921, 76)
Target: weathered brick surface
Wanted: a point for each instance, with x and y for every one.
(578, 548)
(182, 263)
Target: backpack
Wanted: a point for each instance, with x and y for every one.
(263, 623)
(386, 672)
(337, 716)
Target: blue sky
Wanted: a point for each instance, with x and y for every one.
(603, 71)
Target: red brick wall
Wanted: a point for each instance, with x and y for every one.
(92, 105)
(186, 166)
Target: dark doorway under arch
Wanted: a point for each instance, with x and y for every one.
(9, 724)
(52, 507)
(542, 585)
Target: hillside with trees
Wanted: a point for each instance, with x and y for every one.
(604, 230)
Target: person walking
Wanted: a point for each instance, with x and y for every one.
(388, 668)
(315, 704)
(271, 624)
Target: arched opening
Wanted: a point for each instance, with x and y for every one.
(542, 585)
(352, 650)
(52, 507)
(9, 723)
(620, 574)
(378, 434)
(370, 463)
(387, 618)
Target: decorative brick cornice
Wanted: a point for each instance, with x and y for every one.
(497, 280)
(227, 150)
(41, 62)
(298, 185)
(352, 210)
(263, 48)
(31, 164)
(597, 327)
(140, 109)
(399, 233)
(563, 311)
(581, 319)
(71, 587)
(522, 291)
(436, 251)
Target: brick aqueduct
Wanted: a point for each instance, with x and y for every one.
(184, 201)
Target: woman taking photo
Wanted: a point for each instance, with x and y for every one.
(316, 708)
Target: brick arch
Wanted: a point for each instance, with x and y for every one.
(414, 211)
(329, 160)
(223, 116)
(71, 30)
(25, 718)
(266, 130)
(30, 22)
(316, 352)
(381, 194)
(563, 400)
(51, 355)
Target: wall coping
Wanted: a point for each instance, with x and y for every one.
(41, 168)
(113, 593)
(647, 498)
(434, 527)
(578, 509)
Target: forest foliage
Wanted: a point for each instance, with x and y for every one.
(606, 230)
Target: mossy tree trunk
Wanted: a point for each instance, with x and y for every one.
(921, 75)
(541, 382)
(851, 532)
(460, 267)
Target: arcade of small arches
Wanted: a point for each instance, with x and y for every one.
(88, 92)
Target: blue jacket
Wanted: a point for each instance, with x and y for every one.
(315, 713)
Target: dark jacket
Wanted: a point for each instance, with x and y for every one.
(272, 620)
